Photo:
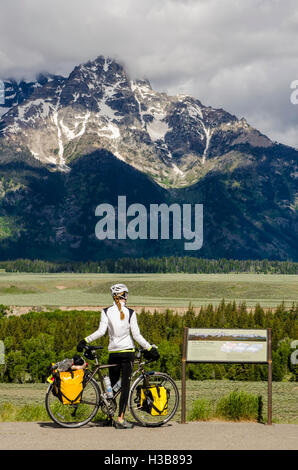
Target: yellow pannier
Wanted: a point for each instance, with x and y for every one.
(154, 400)
(70, 385)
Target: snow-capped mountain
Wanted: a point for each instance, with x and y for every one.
(15, 93)
(175, 139)
(70, 143)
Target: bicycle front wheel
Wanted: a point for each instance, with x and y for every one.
(141, 411)
(76, 415)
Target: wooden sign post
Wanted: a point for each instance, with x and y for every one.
(269, 359)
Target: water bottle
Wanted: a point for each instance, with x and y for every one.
(108, 386)
(117, 386)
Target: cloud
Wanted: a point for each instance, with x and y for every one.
(237, 55)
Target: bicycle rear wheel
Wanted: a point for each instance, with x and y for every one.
(141, 413)
(76, 415)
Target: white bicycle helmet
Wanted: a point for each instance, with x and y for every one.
(119, 290)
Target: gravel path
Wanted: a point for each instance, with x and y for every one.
(190, 436)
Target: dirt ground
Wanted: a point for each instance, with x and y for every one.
(21, 310)
(175, 436)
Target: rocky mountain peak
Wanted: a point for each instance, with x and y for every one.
(175, 139)
(70, 143)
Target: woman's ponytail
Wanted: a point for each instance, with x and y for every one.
(119, 307)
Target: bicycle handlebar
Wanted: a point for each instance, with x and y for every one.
(91, 349)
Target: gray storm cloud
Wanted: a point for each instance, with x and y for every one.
(231, 54)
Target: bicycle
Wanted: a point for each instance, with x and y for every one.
(94, 396)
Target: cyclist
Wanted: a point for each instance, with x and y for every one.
(121, 323)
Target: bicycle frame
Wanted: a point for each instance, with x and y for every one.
(97, 370)
(96, 397)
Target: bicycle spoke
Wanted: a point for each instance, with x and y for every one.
(141, 409)
(75, 415)
(86, 402)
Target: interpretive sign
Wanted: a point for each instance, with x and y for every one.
(226, 345)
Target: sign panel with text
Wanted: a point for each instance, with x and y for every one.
(226, 345)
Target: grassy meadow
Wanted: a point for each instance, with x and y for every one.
(25, 402)
(150, 290)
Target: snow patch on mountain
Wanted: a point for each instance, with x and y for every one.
(149, 104)
(177, 170)
(110, 130)
(158, 128)
(195, 111)
(118, 155)
(43, 110)
(208, 133)
(134, 88)
(70, 134)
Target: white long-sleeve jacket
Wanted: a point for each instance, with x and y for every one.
(120, 331)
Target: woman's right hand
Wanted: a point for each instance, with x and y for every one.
(81, 345)
(152, 353)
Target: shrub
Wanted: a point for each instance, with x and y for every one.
(29, 412)
(201, 410)
(4, 309)
(239, 405)
(7, 412)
